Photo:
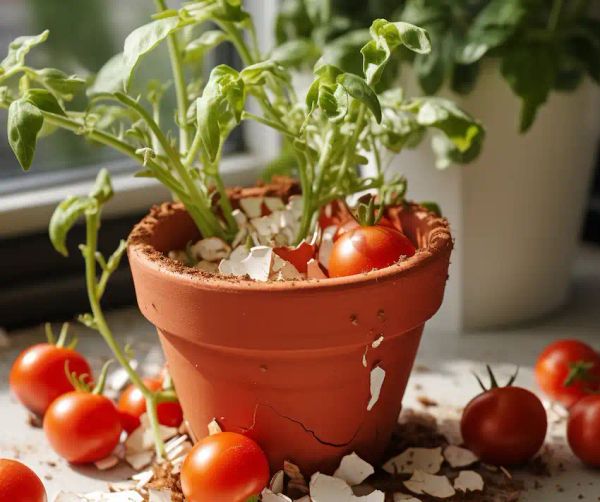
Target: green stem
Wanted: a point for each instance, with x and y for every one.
(179, 79)
(555, 12)
(237, 39)
(92, 225)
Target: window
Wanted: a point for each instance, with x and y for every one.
(37, 284)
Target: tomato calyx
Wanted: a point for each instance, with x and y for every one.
(82, 383)
(580, 371)
(368, 213)
(493, 381)
(63, 336)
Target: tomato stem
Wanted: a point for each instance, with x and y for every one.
(99, 388)
(578, 371)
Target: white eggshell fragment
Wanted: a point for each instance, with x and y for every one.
(159, 496)
(353, 470)
(377, 377)
(214, 427)
(210, 249)
(325, 488)
(469, 481)
(459, 457)
(252, 206)
(313, 270)
(428, 460)
(429, 484)
(269, 496)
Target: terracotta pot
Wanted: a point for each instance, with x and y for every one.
(283, 361)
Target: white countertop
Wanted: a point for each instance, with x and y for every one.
(443, 374)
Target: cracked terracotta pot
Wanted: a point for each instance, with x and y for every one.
(283, 361)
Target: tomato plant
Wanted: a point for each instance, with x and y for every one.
(224, 467)
(568, 370)
(504, 425)
(18, 483)
(132, 405)
(368, 248)
(38, 377)
(583, 429)
(83, 426)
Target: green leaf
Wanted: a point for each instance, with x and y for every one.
(494, 25)
(432, 207)
(531, 72)
(386, 37)
(462, 134)
(197, 48)
(64, 217)
(295, 53)
(360, 90)
(111, 77)
(208, 126)
(61, 83)
(20, 47)
(24, 123)
(144, 39)
(44, 100)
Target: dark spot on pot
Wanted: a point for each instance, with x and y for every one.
(263, 368)
(381, 315)
(354, 320)
(154, 307)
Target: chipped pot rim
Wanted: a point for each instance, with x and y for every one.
(439, 244)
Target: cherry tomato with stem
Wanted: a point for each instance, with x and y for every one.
(583, 429)
(37, 376)
(504, 425)
(352, 224)
(224, 467)
(568, 370)
(83, 426)
(368, 248)
(18, 483)
(132, 405)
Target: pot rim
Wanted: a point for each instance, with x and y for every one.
(437, 243)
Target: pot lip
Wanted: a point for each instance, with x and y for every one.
(140, 250)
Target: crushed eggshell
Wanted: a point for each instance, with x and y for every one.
(376, 382)
(118, 379)
(269, 496)
(159, 495)
(295, 205)
(143, 478)
(179, 255)
(274, 204)
(276, 484)
(326, 245)
(429, 484)
(107, 463)
(313, 270)
(256, 264)
(459, 457)
(210, 249)
(374, 496)
(214, 427)
(403, 497)
(139, 460)
(126, 496)
(469, 481)
(353, 469)
(325, 488)
(427, 460)
(252, 206)
(283, 270)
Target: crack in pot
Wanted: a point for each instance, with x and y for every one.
(304, 427)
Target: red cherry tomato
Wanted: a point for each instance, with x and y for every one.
(18, 483)
(225, 467)
(298, 256)
(583, 429)
(353, 224)
(504, 425)
(558, 361)
(38, 375)
(132, 405)
(368, 248)
(82, 427)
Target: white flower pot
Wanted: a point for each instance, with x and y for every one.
(516, 212)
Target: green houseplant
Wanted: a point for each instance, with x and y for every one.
(342, 116)
(529, 70)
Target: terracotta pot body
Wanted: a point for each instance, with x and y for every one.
(283, 362)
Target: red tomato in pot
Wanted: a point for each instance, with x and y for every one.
(82, 427)
(18, 483)
(352, 224)
(224, 467)
(38, 375)
(583, 429)
(561, 359)
(504, 425)
(368, 248)
(132, 405)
